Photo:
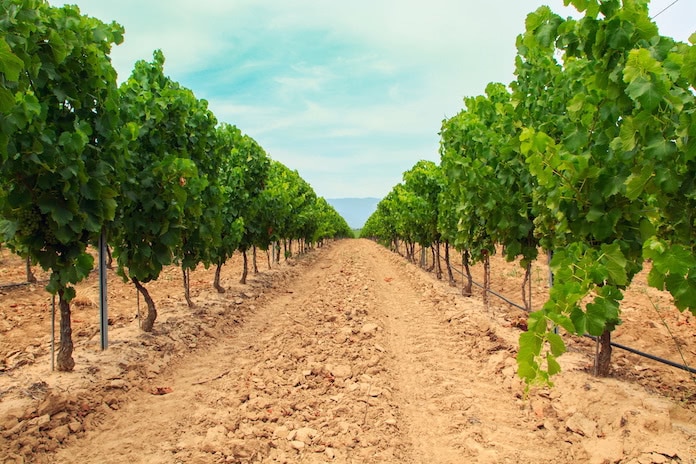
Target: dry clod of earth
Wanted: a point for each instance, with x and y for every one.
(348, 355)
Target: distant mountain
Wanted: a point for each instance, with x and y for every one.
(354, 210)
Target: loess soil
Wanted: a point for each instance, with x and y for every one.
(347, 354)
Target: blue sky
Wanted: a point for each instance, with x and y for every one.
(351, 94)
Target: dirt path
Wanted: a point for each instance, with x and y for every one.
(445, 394)
(365, 358)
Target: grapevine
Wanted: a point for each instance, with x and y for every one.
(59, 144)
(588, 154)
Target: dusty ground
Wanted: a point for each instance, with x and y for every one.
(348, 354)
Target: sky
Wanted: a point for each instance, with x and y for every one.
(350, 94)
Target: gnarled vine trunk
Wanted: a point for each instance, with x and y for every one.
(148, 323)
(486, 279)
(448, 263)
(64, 359)
(187, 286)
(466, 287)
(216, 281)
(603, 358)
(527, 287)
(436, 260)
(245, 270)
(109, 258)
(411, 252)
(31, 278)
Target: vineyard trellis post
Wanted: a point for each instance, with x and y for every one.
(53, 333)
(103, 296)
(549, 257)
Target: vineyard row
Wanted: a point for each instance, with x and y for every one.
(589, 154)
(144, 165)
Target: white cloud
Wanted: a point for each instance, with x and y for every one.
(349, 93)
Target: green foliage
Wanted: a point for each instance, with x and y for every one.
(203, 221)
(382, 224)
(610, 166)
(59, 143)
(232, 193)
(170, 133)
(410, 212)
(287, 206)
(252, 165)
(423, 182)
(673, 269)
(482, 162)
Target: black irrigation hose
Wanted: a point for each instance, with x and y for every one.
(42, 281)
(648, 355)
(21, 284)
(683, 367)
(512, 303)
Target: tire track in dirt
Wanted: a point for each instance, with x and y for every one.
(461, 400)
(414, 337)
(457, 408)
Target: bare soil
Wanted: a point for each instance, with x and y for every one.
(347, 354)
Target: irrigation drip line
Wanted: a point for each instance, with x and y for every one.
(42, 281)
(495, 293)
(683, 367)
(21, 284)
(647, 355)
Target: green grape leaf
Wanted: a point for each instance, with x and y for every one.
(615, 262)
(636, 182)
(83, 266)
(646, 92)
(601, 314)
(553, 366)
(7, 100)
(57, 208)
(676, 260)
(647, 229)
(527, 371)
(562, 320)
(10, 64)
(640, 63)
(595, 213)
(536, 322)
(556, 344)
(579, 319)
(576, 139)
(595, 319)
(659, 148)
(530, 345)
